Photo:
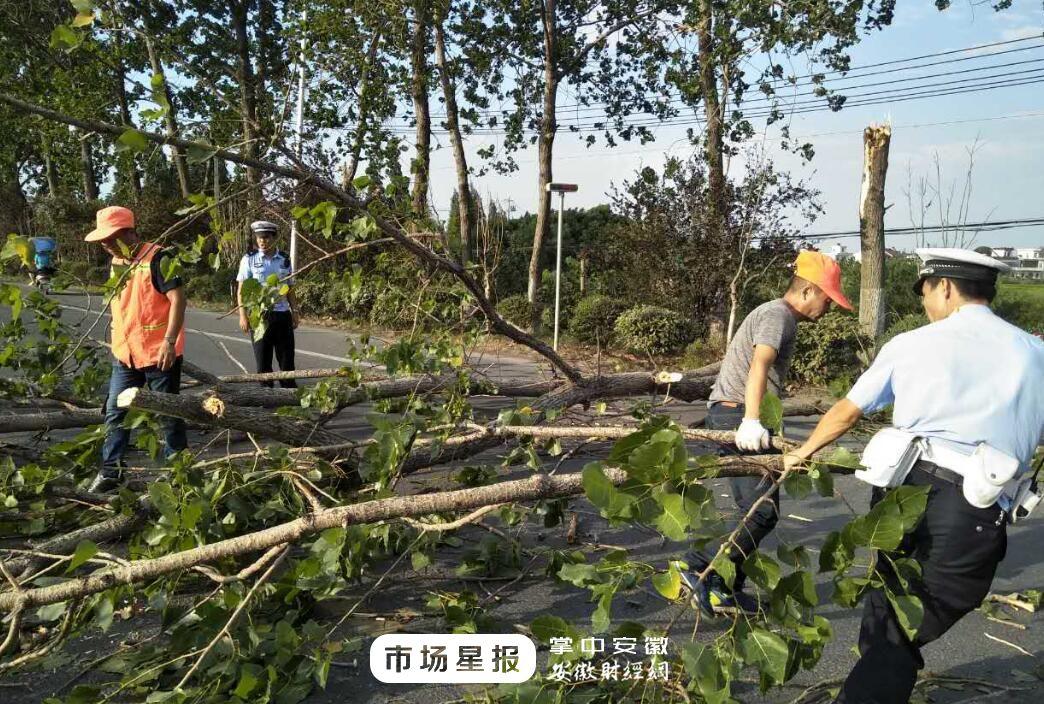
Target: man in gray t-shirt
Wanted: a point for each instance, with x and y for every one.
(757, 361)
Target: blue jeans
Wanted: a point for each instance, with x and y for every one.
(116, 436)
(745, 492)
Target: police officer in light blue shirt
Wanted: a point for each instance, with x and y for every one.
(281, 320)
(969, 390)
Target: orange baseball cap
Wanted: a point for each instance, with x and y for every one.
(823, 271)
(109, 221)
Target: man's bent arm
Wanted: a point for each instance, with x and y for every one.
(757, 380)
(836, 422)
(176, 317)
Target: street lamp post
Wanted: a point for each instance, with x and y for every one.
(561, 189)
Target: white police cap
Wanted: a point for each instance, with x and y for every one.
(263, 226)
(953, 263)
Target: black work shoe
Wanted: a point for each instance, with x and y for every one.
(105, 483)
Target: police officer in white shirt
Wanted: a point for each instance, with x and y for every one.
(282, 320)
(968, 412)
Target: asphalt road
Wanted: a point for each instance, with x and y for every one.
(966, 651)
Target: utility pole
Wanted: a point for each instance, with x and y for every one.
(300, 128)
(561, 189)
(876, 140)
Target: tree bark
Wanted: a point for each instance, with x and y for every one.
(545, 150)
(247, 96)
(464, 199)
(213, 411)
(352, 166)
(170, 119)
(50, 174)
(876, 140)
(90, 183)
(53, 420)
(714, 131)
(133, 177)
(419, 91)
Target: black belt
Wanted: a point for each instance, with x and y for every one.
(934, 470)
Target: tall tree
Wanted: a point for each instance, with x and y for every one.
(420, 28)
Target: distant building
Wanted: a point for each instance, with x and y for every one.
(1025, 262)
(840, 253)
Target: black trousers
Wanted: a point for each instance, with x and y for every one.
(278, 338)
(745, 492)
(958, 547)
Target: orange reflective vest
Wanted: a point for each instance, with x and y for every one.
(139, 315)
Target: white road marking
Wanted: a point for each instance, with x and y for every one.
(231, 338)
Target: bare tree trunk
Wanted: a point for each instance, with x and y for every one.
(90, 183)
(170, 119)
(545, 149)
(876, 140)
(714, 137)
(464, 199)
(247, 96)
(352, 166)
(133, 177)
(50, 173)
(419, 90)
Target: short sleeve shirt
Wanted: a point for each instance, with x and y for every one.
(256, 265)
(773, 324)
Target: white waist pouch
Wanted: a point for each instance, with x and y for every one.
(987, 472)
(889, 457)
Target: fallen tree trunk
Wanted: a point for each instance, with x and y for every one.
(536, 487)
(51, 420)
(622, 431)
(213, 411)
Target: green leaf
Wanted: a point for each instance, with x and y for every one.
(198, 152)
(911, 501)
(705, 668)
(65, 38)
(84, 694)
(725, 568)
(82, 5)
(762, 569)
(843, 457)
(18, 246)
(674, 521)
(85, 550)
(766, 651)
(849, 590)
(164, 500)
(668, 583)
(601, 492)
(361, 182)
(823, 480)
(52, 612)
(799, 586)
(881, 528)
(798, 485)
(132, 141)
(419, 560)
(909, 610)
(578, 574)
(771, 412)
(836, 555)
(249, 678)
(83, 19)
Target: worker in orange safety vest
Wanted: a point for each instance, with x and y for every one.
(148, 336)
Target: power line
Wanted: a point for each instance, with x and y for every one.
(992, 226)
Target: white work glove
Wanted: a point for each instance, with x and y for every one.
(752, 436)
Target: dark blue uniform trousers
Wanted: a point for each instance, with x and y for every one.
(958, 547)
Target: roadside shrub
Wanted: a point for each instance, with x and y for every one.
(209, 286)
(653, 330)
(904, 324)
(593, 319)
(516, 309)
(700, 353)
(311, 292)
(391, 309)
(1021, 304)
(830, 348)
(98, 274)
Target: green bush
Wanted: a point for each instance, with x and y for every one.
(310, 292)
(98, 274)
(209, 286)
(516, 309)
(593, 319)
(1021, 304)
(391, 309)
(904, 324)
(653, 330)
(828, 349)
(700, 353)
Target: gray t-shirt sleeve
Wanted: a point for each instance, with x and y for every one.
(774, 327)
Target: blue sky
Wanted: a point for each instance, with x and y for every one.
(1008, 179)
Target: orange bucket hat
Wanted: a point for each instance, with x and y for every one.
(823, 271)
(110, 221)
